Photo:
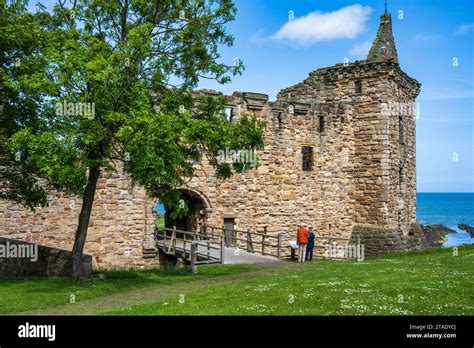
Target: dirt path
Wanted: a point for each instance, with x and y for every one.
(147, 294)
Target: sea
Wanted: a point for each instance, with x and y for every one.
(449, 209)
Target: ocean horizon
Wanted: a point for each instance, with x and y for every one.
(449, 209)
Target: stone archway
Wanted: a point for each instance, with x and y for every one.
(199, 207)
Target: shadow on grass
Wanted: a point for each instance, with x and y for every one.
(26, 293)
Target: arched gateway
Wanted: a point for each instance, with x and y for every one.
(199, 207)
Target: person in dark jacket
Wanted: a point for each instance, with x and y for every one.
(310, 245)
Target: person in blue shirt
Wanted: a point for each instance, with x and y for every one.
(310, 246)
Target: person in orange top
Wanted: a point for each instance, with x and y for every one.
(302, 240)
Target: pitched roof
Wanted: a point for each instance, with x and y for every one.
(383, 48)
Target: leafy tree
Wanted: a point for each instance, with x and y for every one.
(19, 38)
(118, 82)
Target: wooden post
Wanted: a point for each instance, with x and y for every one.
(330, 248)
(279, 246)
(263, 239)
(358, 251)
(249, 241)
(222, 250)
(184, 246)
(173, 238)
(193, 258)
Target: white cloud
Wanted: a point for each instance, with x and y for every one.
(427, 37)
(463, 29)
(361, 49)
(345, 23)
(258, 37)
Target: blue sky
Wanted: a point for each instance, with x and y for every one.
(429, 35)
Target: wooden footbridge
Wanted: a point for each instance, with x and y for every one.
(218, 245)
(230, 246)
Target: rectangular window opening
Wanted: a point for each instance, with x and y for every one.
(401, 130)
(307, 154)
(322, 124)
(229, 113)
(280, 120)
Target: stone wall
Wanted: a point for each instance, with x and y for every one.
(401, 152)
(119, 230)
(51, 262)
(379, 240)
(356, 177)
(279, 194)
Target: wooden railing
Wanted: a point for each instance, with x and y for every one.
(203, 244)
(187, 244)
(251, 241)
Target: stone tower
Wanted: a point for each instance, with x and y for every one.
(339, 155)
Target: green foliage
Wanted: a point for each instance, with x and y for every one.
(133, 64)
(20, 36)
(160, 222)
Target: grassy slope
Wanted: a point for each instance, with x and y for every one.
(22, 294)
(431, 282)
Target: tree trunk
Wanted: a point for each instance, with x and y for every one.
(78, 271)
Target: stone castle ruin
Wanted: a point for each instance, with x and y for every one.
(339, 155)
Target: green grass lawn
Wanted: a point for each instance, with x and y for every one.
(160, 222)
(433, 282)
(22, 294)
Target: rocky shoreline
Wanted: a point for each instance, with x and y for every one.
(436, 234)
(467, 228)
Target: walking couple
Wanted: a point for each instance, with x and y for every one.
(305, 240)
